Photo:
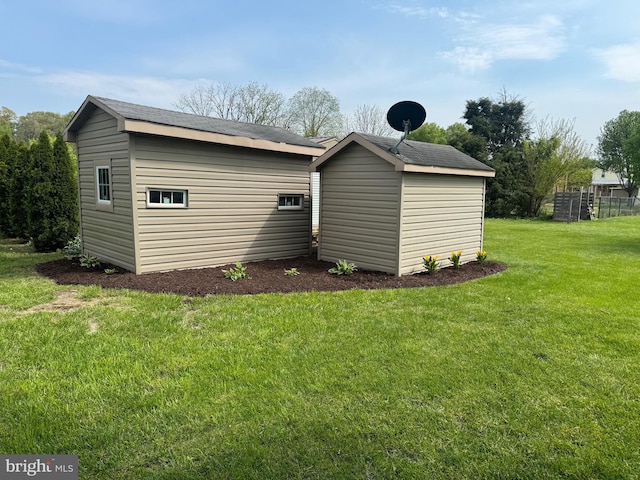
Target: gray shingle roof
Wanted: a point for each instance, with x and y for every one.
(132, 111)
(428, 154)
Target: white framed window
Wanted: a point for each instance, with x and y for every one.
(166, 198)
(103, 184)
(287, 201)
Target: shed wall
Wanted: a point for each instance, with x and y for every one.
(360, 207)
(440, 214)
(107, 235)
(232, 212)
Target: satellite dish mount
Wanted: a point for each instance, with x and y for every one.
(405, 117)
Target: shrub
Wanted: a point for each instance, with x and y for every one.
(237, 272)
(292, 272)
(343, 268)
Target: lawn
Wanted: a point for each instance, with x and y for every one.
(532, 373)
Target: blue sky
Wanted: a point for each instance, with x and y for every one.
(570, 59)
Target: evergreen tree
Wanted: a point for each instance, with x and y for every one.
(18, 190)
(42, 199)
(6, 144)
(502, 125)
(64, 185)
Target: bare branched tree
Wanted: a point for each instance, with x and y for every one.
(367, 119)
(251, 103)
(258, 104)
(197, 101)
(572, 153)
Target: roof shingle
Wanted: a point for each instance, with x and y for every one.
(132, 111)
(428, 154)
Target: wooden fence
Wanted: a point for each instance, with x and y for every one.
(573, 206)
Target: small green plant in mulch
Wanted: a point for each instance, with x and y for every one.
(89, 261)
(110, 271)
(430, 263)
(454, 258)
(343, 268)
(292, 272)
(237, 272)
(481, 256)
(73, 248)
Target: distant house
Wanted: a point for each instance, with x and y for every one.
(607, 184)
(385, 211)
(163, 190)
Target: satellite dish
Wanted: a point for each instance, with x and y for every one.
(404, 117)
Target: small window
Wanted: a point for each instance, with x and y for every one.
(103, 176)
(290, 202)
(166, 198)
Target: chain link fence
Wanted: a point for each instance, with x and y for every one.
(607, 207)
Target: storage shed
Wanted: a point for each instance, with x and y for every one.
(163, 190)
(386, 211)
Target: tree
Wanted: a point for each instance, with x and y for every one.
(18, 189)
(369, 119)
(64, 186)
(6, 147)
(462, 139)
(619, 149)
(315, 112)
(252, 103)
(8, 121)
(30, 125)
(198, 101)
(503, 126)
(573, 152)
(544, 170)
(429, 133)
(52, 217)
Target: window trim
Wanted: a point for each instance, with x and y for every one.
(185, 197)
(102, 204)
(291, 207)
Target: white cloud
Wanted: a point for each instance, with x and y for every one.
(485, 44)
(418, 12)
(145, 90)
(622, 62)
(12, 67)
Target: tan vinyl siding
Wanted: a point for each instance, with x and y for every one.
(359, 214)
(440, 214)
(107, 235)
(232, 197)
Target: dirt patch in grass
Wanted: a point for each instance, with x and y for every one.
(64, 301)
(266, 277)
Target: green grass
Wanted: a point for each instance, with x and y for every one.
(532, 373)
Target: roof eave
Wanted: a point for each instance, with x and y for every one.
(140, 126)
(467, 172)
(87, 107)
(363, 142)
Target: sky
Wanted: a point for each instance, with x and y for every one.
(577, 60)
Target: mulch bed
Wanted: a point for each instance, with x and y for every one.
(266, 277)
